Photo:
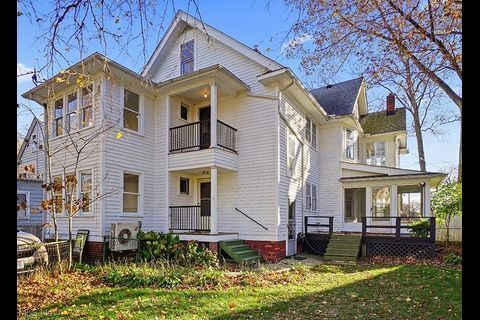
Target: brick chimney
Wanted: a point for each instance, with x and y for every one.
(390, 104)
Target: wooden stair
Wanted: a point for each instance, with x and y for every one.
(343, 248)
(239, 251)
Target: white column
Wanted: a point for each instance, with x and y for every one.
(426, 196)
(213, 115)
(368, 203)
(167, 173)
(213, 200)
(393, 206)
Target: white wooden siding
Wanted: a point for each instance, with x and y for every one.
(32, 154)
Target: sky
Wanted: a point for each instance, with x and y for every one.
(251, 23)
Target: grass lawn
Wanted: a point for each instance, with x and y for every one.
(328, 292)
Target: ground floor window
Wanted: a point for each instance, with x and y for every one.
(410, 199)
(381, 202)
(354, 204)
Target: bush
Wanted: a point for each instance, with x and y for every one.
(161, 246)
(452, 258)
(420, 228)
(159, 276)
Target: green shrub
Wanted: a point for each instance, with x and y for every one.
(420, 228)
(452, 258)
(167, 246)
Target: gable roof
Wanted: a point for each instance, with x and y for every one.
(182, 19)
(28, 135)
(339, 98)
(379, 122)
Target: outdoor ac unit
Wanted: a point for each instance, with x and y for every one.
(123, 236)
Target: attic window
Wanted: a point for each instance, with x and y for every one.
(186, 59)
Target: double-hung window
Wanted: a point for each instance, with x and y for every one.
(292, 156)
(57, 129)
(375, 153)
(311, 196)
(131, 110)
(86, 113)
(311, 132)
(186, 59)
(131, 193)
(23, 205)
(184, 186)
(349, 144)
(86, 190)
(71, 116)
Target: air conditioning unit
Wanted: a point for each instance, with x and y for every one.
(123, 236)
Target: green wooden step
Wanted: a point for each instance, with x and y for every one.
(240, 252)
(343, 247)
(339, 258)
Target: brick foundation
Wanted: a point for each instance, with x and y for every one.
(272, 251)
(213, 246)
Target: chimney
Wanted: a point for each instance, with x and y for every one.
(390, 104)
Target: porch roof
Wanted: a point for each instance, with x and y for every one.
(434, 177)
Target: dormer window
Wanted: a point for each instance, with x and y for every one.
(186, 59)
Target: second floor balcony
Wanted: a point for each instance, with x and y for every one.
(197, 136)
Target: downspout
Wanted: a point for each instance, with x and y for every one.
(45, 166)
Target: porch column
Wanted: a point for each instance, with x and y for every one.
(213, 200)
(368, 204)
(213, 115)
(426, 202)
(394, 206)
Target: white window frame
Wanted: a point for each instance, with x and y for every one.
(139, 113)
(291, 162)
(346, 146)
(67, 114)
(140, 195)
(193, 56)
(27, 210)
(375, 157)
(82, 107)
(311, 132)
(79, 190)
(188, 186)
(78, 109)
(310, 197)
(314, 197)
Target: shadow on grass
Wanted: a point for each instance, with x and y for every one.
(332, 292)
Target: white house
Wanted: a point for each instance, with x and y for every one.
(215, 141)
(30, 170)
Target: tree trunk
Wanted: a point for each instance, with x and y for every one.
(447, 226)
(419, 136)
(70, 244)
(459, 173)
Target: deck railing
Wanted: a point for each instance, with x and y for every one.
(197, 135)
(395, 226)
(191, 218)
(319, 222)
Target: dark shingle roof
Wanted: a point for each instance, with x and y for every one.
(339, 98)
(379, 122)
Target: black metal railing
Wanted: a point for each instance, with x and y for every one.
(226, 136)
(416, 227)
(315, 221)
(197, 135)
(246, 215)
(192, 218)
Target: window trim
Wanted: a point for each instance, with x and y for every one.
(140, 111)
(27, 210)
(75, 111)
(345, 144)
(82, 107)
(294, 139)
(193, 57)
(140, 195)
(311, 132)
(180, 186)
(79, 191)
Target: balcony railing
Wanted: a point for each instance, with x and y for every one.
(197, 135)
(192, 218)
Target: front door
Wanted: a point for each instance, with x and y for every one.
(291, 236)
(204, 118)
(205, 199)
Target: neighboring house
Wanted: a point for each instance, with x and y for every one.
(215, 141)
(30, 170)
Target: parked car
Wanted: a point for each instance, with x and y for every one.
(30, 250)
